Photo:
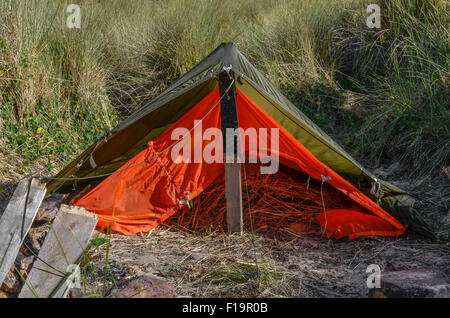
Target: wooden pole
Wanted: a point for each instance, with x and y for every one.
(233, 187)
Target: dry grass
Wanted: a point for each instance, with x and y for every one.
(219, 265)
(278, 201)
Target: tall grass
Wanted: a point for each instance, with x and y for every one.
(402, 72)
(380, 92)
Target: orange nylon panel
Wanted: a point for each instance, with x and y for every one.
(293, 154)
(141, 197)
(352, 223)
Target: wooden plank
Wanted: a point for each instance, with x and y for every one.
(233, 188)
(64, 245)
(233, 195)
(16, 222)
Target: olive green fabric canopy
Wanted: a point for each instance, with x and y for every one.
(132, 134)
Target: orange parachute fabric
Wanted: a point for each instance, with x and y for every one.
(352, 223)
(144, 194)
(151, 186)
(294, 155)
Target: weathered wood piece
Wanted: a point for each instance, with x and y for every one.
(229, 120)
(17, 219)
(64, 245)
(233, 195)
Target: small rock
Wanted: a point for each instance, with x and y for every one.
(146, 286)
(417, 283)
(11, 283)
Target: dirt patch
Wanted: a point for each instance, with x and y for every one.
(219, 265)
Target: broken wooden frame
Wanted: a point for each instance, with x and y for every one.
(61, 252)
(63, 247)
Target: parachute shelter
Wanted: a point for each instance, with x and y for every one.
(146, 186)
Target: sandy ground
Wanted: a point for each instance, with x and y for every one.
(219, 265)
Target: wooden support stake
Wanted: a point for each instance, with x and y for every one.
(16, 221)
(64, 245)
(233, 188)
(233, 195)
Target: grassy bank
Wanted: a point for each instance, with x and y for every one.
(382, 93)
